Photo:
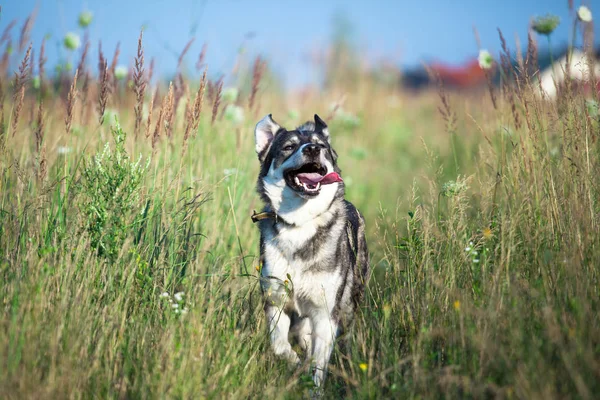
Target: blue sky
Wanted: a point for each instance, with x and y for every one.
(288, 32)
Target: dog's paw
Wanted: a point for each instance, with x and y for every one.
(318, 376)
(284, 350)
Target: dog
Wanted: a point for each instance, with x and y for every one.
(313, 250)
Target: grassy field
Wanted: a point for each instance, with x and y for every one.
(128, 261)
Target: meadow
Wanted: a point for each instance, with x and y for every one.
(129, 263)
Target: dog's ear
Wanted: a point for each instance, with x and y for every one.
(264, 133)
(321, 126)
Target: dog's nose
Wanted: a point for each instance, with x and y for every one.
(311, 150)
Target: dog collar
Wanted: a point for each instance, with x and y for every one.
(263, 215)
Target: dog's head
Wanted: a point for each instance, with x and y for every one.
(298, 167)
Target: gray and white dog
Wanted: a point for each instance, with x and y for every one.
(314, 257)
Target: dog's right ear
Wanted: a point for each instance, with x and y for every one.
(263, 135)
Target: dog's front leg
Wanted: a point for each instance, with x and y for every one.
(279, 327)
(325, 331)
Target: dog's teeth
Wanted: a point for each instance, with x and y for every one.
(318, 186)
(297, 181)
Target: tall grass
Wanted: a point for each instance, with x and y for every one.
(482, 223)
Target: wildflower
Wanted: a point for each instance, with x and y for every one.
(175, 305)
(179, 296)
(229, 171)
(545, 25)
(234, 114)
(476, 261)
(184, 311)
(258, 268)
(363, 366)
(229, 94)
(452, 188)
(121, 72)
(63, 150)
(485, 59)
(387, 310)
(487, 233)
(164, 295)
(72, 41)
(177, 311)
(584, 14)
(456, 305)
(85, 19)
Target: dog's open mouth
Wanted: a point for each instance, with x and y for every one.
(309, 178)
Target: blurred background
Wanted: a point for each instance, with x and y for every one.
(293, 36)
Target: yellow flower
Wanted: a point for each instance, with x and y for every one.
(457, 305)
(258, 268)
(387, 309)
(363, 366)
(487, 233)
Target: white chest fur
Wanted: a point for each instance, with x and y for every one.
(310, 289)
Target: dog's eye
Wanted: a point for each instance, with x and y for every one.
(289, 147)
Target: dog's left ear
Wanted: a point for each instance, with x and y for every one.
(321, 126)
(263, 135)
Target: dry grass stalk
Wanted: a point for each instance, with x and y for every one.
(2, 130)
(139, 85)
(169, 110)
(101, 60)
(113, 66)
(39, 143)
(81, 66)
(257, 74)
(19, 92)
(448, 115)
(6, 33)
(161, 118)
(507, 68)
(26, 30)
(193, 113)
(85, 90)
(42, 62)
(201, 57)
(5, 58)
(217, 101)
(531, 60)
(184, 52)
(151, 70)
(115, 59)
(180, 89)
(149, 121)
(71, 100)
(104, 91)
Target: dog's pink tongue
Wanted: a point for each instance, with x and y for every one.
(313, 178)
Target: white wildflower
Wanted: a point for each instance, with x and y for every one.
(164, 295)
(63, 150)
(179, 296)
(230, 94)
(121, 72)
(584, 14)
(234, 114)
(175, 305)
(485, 59)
